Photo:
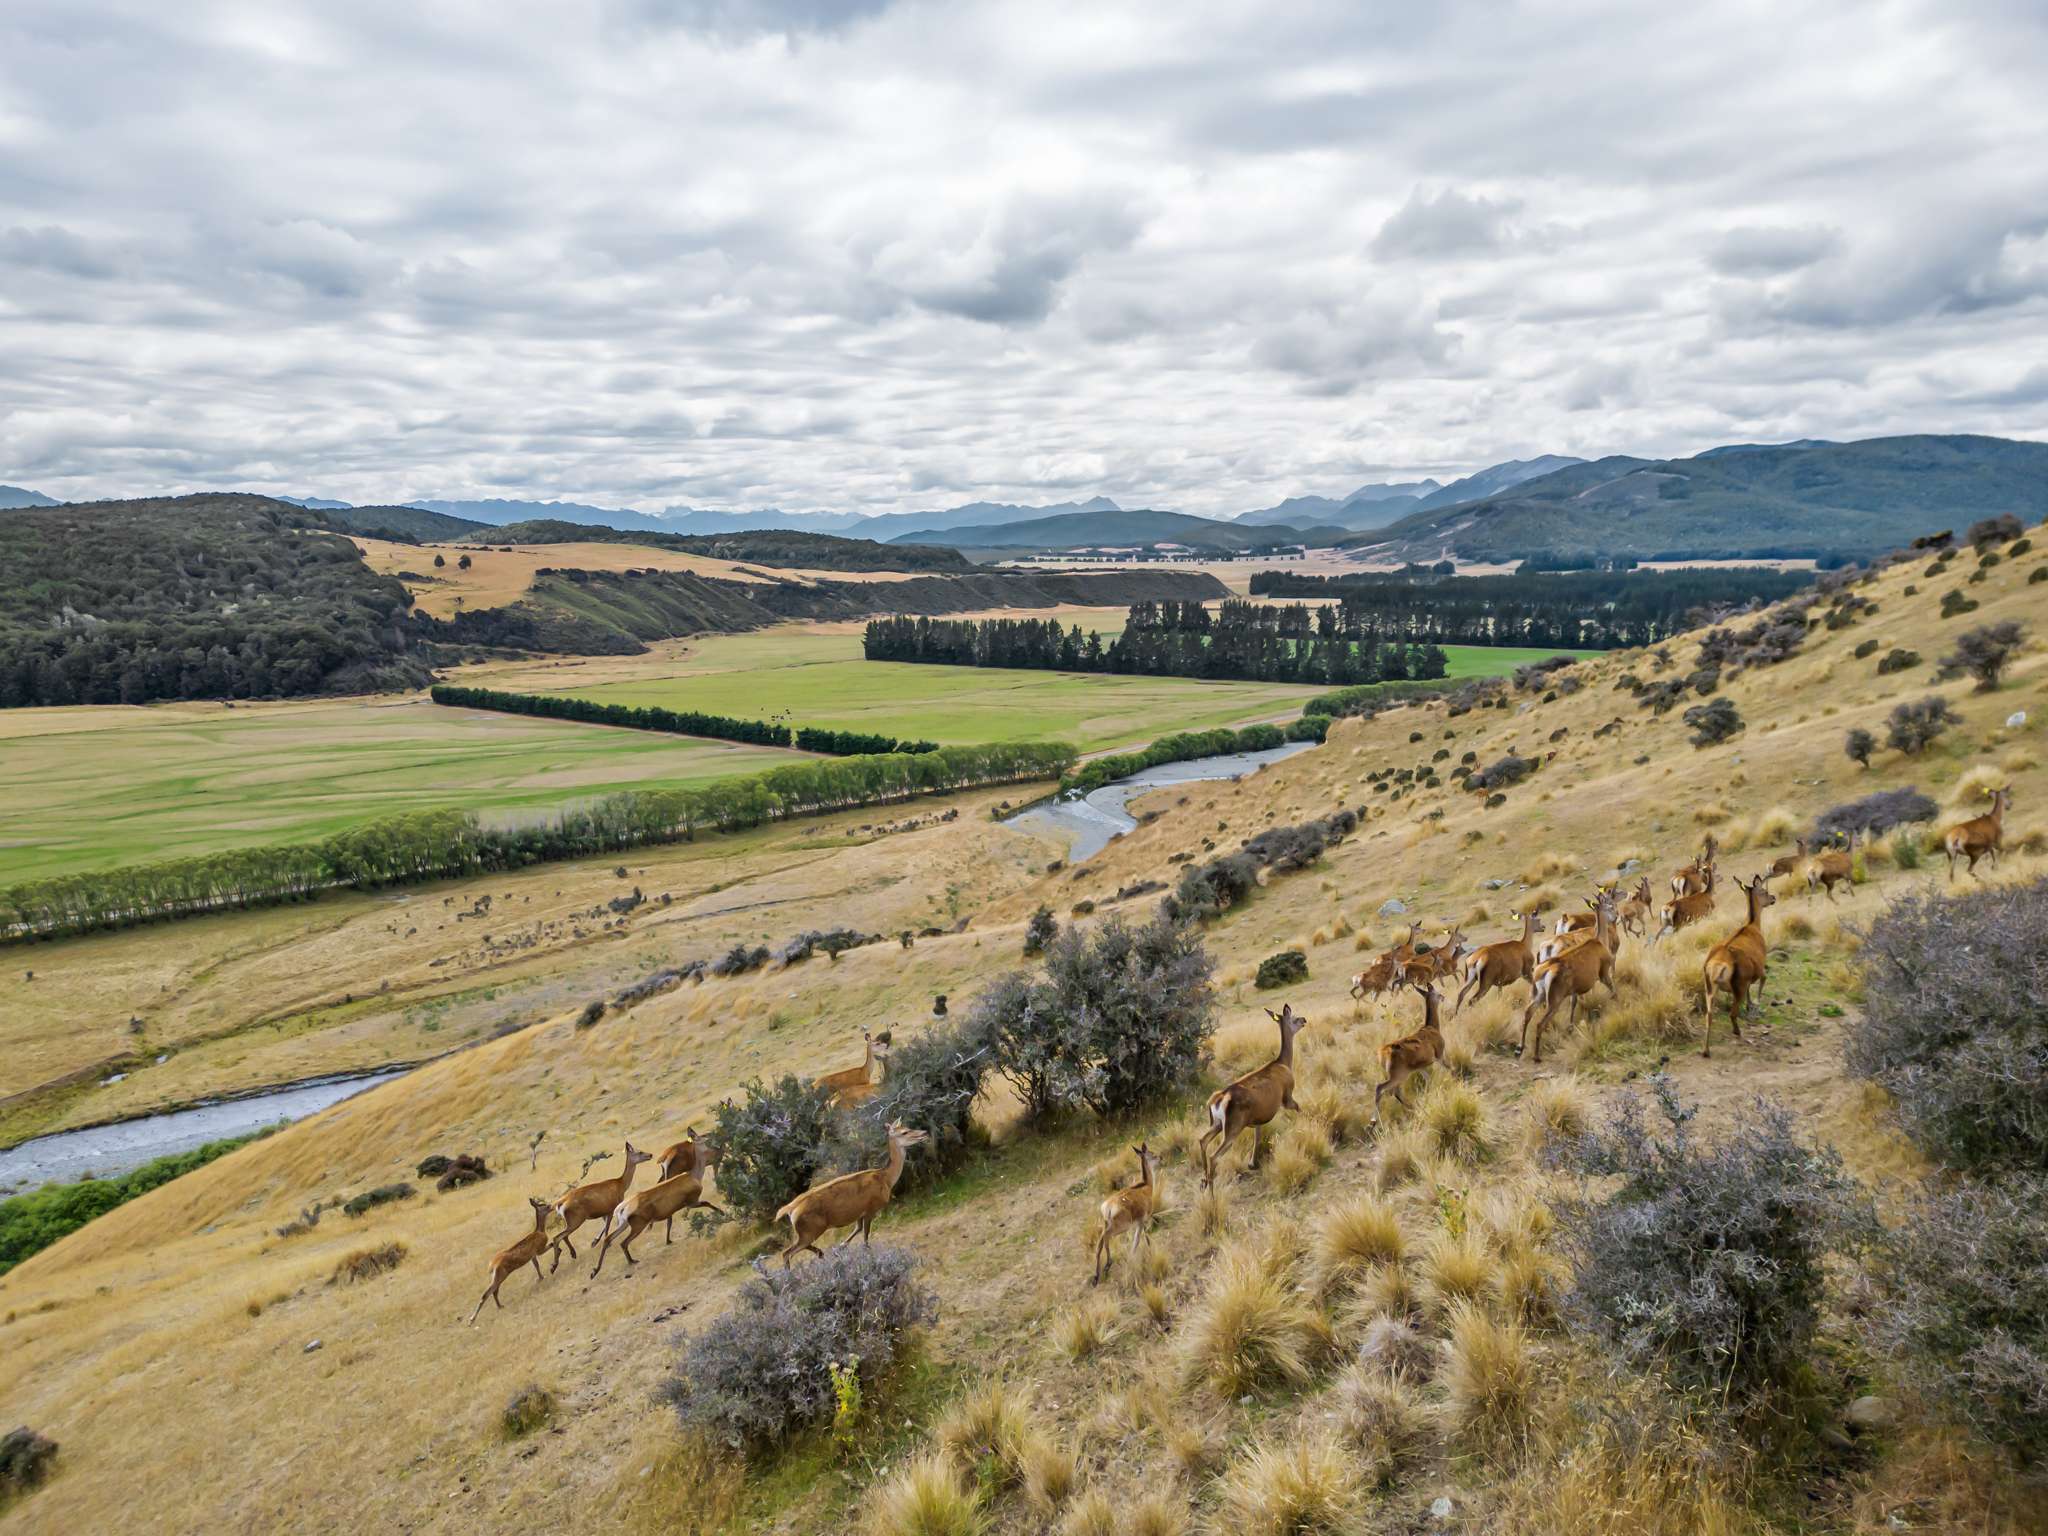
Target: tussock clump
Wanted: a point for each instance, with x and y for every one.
(1453, 1117)
(1545, 898)
(370, 1199)
(25, 1458)
(1387, 1290)
(1489, 1381)
(1774, 826)
(1157, 1305)
(1400, 1158)
(1530, 1286)
(989, 1426)
(1353, 1238)
(1712, 814)
(926, 1498)
(1394, 1347)
(368, 1263)
(1303, 1149)
(1342, 1116)
(1306, 1487)
(1212, 1210)
(1094, 1513)
(1156, 1514)
(1049, 1473)
(1548, 866)
(1455, 1270)
(1556, 1109)
(1085, 1327)
(1249, 1330)
(531, 1408)
(1381, 1420)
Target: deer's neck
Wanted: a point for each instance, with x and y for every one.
(1286, 1056)
(895, 1168)
(626, 1178)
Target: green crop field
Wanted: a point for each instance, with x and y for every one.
(94, 787)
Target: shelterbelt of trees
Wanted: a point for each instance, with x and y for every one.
(1579, 610)
(679, 722)
(1258, 642)
(1185, 746)
(435, 845)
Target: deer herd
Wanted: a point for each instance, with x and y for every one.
(1564, 967)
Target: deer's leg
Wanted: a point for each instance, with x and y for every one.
(669, 1232)
(538, 1277)
(602, 1249)
(1258, 1137)
(1101, 1254)
(490, 1291)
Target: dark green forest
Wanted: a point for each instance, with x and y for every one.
(1256, 642)
(209, 596)
(1576, 610)
(680, 722)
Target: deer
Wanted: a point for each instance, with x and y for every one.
(1634, 915)
(1573, 973)
(1253, 1100)
(1827, 870)
(851, 1200)
(1737, 964)
(1430, 966)
(1374, 979)
(598, 1199)
(1130, 1209)
(1699, 874)
(511, 1260)
(1981, 837)
(1683, 911)
(1498, 966)
(681, 1188)
(854, 1085)
(1787, 863)
(1583, 930)
(1402, 1059)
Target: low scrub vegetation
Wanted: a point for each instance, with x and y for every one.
(1872, 815)
(1984, 653)
(1915, 725)
(771, 1144)
(367, 1264)
(1281, 970)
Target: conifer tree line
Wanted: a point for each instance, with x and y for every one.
(681, 722)
(1255, 642)
(1577, 610)
(436, 845)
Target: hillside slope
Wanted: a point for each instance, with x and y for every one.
(1819, 499)
(166, 1345)
(771, 547)
(1119, 529)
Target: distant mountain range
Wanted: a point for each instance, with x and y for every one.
(1376, 506)
(15, 496)
(1118, 528)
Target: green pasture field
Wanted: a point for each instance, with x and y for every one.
(99, 786)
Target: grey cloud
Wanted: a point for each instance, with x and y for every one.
(1766, 251)
(1447, 223)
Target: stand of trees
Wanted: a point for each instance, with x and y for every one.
(434, 845)
(680, 722)
(1590, 610)
(1257, 642)
(1189, 745)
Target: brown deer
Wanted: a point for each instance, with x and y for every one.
(664, 1201)
(1130, 1209)
(1981, 837)
(1602, 912)
(1498, 966)
(1684, 911)
(1374, 979)
(526, 1251)
(1573, 973)
(1787, 863)
(853, 1085)
(597, 1199)
(1634, 915)
(851, 1200)
(1737, 964)
(1827, 870)
(1253, 1100)
(1699, 874)
(1431, 965)
(1402, 1059)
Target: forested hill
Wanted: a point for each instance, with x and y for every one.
(774, 547)
(209, 596)
(1808, 499)
(403, 524)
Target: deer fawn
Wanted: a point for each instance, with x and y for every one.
(1374, 979)
(851, 1200)
(1573, 973)
(1981, 837)
(1737, 964)
(1402, 1059)
(678, 1191)
(1498, 966)
(1635, 912)
(597, 1199)
(1835, 867)
(855, 1085)
(526, 1251)
(1253, 1100)
(1131, 1210)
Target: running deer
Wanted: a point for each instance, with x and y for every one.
(1697, 876)
(1602, 912)
(1788, 863)
(1635, 912)
(526, 1251)
(1129, 1210)
(1498, 966)
(677, 1192)
(1430, 966)
(1402, 1059)
(1827, 870)
(1573, 974)
(1684, 911)
(1737, 964)
(597, 1199)
(1374, 979)
(1253, 1100)
(853, 1085)
(851, 1200)
(1981, 837)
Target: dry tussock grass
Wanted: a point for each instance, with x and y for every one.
(1049, 1474)
(1488, 1379)
(1455, 1270)
(990, 1425)
(1712, 814)
(1453, 1118)
(1548, 866)
(1085, 1327)
(1244, 1045)
(1972, 791)
(1556, 1108)
(926, 1498)
(1544, 898)
(1301, 1486)
(1303, 1149)
(1383, 1291)
(1249, 1329)
(1400, 1159)
(1381, 1420)
(1212, 1211)
(1094, 1513)
(1355, 1236)
(1530, 1287)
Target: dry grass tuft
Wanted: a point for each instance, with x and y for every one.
(1094, 1513)
(1394, 1346)
(1489, 1380)
(1400, 1158)
(1355, 1236)
(1157, 1513)
(1212, 1210)
(1713, 814)
(1156, 1305)
(1530, 1286)
(1775, 826)
(1304, 1148)
(989, 1425)
(1455, 1270)
(1453, 1118)
(1380, 1419)
(1544, 898)
(1549, 866)
(367, 1264)
(1049, 1473)
(1556, 1109)
(1342, 1116)
(1303, 1487)
(1249, 1330)
(1192, 1446)
(926, 1498)
(1085, 1327)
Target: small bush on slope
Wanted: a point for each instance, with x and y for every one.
(1705, 1258)
(770, 1145)
(1955, 1023)
(1875, 814)
(764, 1369)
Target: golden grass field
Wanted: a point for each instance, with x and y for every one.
(164, 1345)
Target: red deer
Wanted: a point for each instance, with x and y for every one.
(1253, 1100)
(1131, 1210)
(1402, 1059)
(526, 1251)
(1788, 863)
(1375, 978)
(1687, 910)
(1697, 876)
(851, 1200)
(853, 1085)
(597, 1199)
(1635, 912)
(1827, 870)
(678, 1191)
(1498, 966)
(1432, 965)
(1981, 837)
(1737, 964)
(1573, 974)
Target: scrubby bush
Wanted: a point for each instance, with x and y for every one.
(1874, 814)
(1956, 601)
(1538, 673)
(531, 1408)
(367, 1264)
(1509, 770)
(739, 960)
(1704, 1258)
(1213, 889)
(1040, 931)
(765, 1369)
(1897, 659)
(1968, 1313)
(1713, 723)
(370, 1199)
(769, 1145)
(1859, 744)
(1955, 1023)
(25, 1458)
(1984, 653)
(1994, 530)
(1281, 970)
(1914, 726)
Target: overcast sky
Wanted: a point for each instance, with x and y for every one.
(856, 255)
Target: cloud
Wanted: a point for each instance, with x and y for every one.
(1766, 251)
(1447, 224)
